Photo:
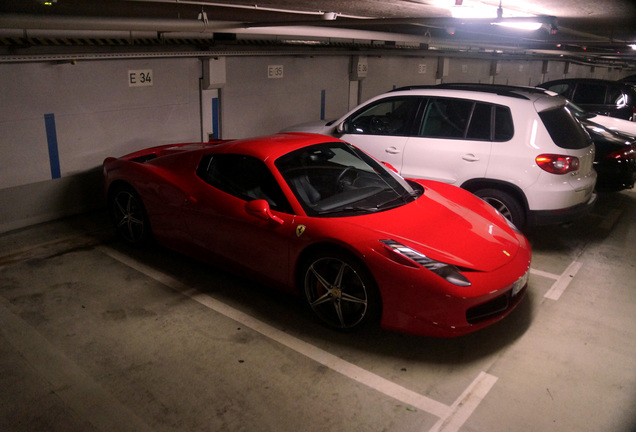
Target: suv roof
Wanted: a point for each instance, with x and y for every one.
(519, 92)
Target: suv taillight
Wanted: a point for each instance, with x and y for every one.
(557, 164)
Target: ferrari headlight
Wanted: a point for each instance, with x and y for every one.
(446, 271)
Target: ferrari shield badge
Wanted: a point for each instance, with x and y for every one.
(300, 229)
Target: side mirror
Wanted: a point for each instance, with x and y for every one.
(343, 127)
(260, 209)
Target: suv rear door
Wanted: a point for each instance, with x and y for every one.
(454, 140)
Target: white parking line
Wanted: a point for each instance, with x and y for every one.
(451, 417)
(561, 282)
(466, 404)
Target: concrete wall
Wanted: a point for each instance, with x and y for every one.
(95, 112)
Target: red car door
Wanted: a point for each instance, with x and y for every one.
(218, 223)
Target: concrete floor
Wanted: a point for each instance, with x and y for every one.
(98, 337)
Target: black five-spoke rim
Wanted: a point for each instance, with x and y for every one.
(336, 293)
(129, 217)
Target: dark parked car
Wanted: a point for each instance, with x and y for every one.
(611, 98)
(615, 160)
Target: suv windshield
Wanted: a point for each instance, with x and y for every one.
(564, 129)
(338, 179)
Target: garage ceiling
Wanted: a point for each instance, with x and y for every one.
(585, 31)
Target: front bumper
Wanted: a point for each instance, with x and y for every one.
(420, 304)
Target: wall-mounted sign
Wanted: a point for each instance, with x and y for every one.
(275, 71)
(140, 78)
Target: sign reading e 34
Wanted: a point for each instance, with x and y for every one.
(139, 78)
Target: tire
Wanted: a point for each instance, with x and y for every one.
(340, 291)
(505, 203)
(129, 216)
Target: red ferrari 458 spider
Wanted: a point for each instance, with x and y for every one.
(316, 216)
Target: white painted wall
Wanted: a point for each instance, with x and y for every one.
(253, 103)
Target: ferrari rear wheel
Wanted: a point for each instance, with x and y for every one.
(129, 216)
(341, 291)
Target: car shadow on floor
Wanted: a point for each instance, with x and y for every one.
(290, 314)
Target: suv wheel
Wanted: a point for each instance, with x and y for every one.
(505, 204)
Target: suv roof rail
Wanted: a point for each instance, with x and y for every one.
(500, 89)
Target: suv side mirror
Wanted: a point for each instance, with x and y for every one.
(343, 127)
(260, 209)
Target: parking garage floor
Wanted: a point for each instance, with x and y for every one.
(95, 336)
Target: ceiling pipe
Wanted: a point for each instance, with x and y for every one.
(328, 15)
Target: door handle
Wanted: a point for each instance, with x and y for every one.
(392, 150)
(469, 157)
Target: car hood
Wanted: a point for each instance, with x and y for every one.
(607, 140)
(614, 124)
(447, 231)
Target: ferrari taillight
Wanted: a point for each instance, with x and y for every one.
(557, 164)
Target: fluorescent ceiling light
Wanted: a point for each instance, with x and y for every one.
(517, 24)
(477, 10)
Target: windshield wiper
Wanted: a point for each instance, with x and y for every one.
(403, 198)
(349, 209)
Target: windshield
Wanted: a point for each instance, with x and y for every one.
(337, 179)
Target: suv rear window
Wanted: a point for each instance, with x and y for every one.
(564, 129)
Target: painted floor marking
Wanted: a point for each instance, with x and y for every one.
(561, 282)
(451, 417)
(466, 404)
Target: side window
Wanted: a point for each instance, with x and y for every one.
(392, 116)
(504, 127)
(562, 89)
(244, 177)
(446, 118)
(589, 94)
(480, 122)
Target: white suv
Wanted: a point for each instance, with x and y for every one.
(518, 148)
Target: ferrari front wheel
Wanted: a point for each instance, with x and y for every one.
(129, 216)
(340, 291)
